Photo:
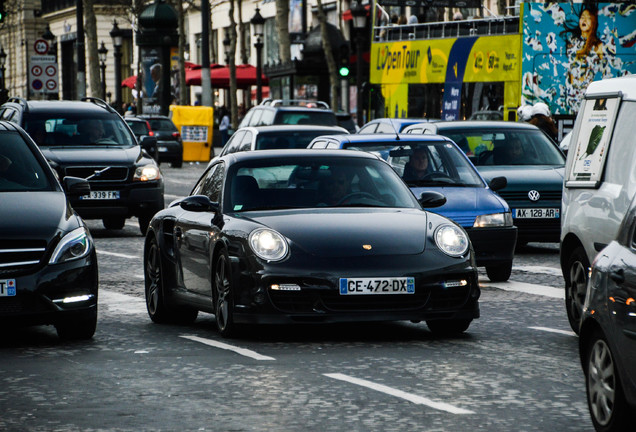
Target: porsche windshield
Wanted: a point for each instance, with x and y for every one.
(316, 182)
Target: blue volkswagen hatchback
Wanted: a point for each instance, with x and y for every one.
(435, 163)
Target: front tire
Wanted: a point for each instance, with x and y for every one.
(80, 327)
(576, 286)
(605, 397)
(158, 309)
(223, 296)
(114, 223)
(500, 272)
(449, 327)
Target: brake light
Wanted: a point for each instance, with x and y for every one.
(176, 134)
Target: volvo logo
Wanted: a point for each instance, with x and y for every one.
(534, 195)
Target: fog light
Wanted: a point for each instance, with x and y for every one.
(74, 299)
(454, 284)
(285, 287)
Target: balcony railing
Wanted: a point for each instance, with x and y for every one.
(447, 29)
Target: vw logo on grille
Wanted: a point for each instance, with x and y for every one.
(534, 195)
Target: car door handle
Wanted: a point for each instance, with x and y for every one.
(617, 276)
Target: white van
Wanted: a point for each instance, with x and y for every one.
(600, 181)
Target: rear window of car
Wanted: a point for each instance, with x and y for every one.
(138, 128)
(289, 140)
(165, 125)
(326, 118)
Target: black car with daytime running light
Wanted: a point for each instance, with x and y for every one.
(48, 265)
(90, 140)
(308, 236)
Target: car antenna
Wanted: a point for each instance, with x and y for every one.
(397, 134)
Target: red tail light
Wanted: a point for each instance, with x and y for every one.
(176, 134)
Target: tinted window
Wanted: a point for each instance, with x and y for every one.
(211, 184)
(490, 146)
(138, 128)
(326, 118)
(164, 125)
(20, 170)
(288, 139)
(304, 182)
(58, 129)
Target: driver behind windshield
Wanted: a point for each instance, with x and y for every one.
(334, 188)
(90, 131)
(417, 167)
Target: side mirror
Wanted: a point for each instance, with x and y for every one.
(498, 183)
(198, 203)
(431, 199)
(75, 186)
(149, 143)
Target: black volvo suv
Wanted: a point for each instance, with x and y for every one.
(90, 140)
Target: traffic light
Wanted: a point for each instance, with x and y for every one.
(343, 62)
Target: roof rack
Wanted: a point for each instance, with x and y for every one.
(100, 102)
(19, 101)
(296, 102)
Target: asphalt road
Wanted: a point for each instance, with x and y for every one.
(516, 368)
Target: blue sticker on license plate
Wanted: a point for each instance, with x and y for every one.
(362, 286)
(7, 287)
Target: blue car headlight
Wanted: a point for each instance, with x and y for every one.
(268, 244)
(74, 245)
(451, 240)
(493, 220)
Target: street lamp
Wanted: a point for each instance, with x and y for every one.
(103, 55)
(359, 13)
(258, 24)
(226, 49)
(3, 89)
(117, 35)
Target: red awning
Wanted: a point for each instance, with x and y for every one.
(220, 76)
(348, 16)
(264, 91)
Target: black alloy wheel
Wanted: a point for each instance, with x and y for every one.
(223, 296)
(158, 308)
(576, 286)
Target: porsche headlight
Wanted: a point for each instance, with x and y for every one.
(493, 220)
(74, 245)
(268, 244)
(451, 240)
(147, 173)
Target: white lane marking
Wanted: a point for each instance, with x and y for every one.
(538, 269)
(242, 351)
(551, 330)
(419, 400)
(121, 303)
(526, 288)
(102, 252)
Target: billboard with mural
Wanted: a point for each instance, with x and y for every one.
(567, 45)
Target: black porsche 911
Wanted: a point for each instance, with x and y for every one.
(308, 236)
